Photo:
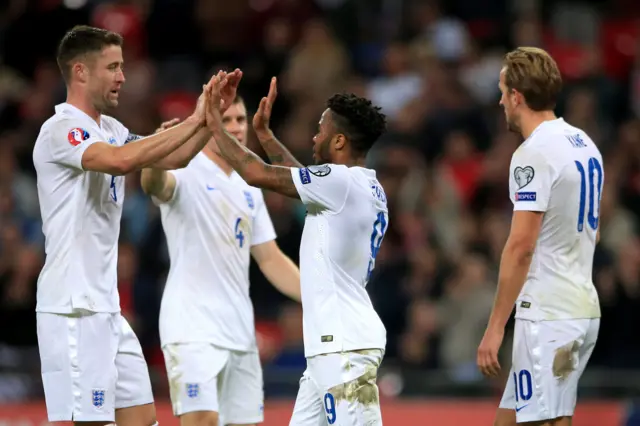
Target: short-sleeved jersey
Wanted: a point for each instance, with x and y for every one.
(346, 220)
(81, 213)
(210, 223)
(558, 170)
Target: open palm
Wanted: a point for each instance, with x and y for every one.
(263, 115)
(229, 91)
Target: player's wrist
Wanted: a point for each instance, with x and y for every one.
(265, 135)
(196, 120)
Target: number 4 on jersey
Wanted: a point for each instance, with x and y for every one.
(379, 228)
(593, 213)
(239, 233)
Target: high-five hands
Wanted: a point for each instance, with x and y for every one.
(228, 92)
(214, 99)
(263, 115)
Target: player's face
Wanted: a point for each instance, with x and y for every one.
(235, 121)
(509, 104)
(322, 139)
(106, 77)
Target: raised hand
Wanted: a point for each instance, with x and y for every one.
(230, 90)
(200, 111)
(263, 115)
(214, 103)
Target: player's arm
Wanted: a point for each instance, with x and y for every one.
(278, 154)
(515, 263)
(181, 157)
(251, 167)
(158, 183)
(121, 160)
(530, 186)
(278, 268)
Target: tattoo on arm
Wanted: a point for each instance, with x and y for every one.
(255, 171)
(278, 153)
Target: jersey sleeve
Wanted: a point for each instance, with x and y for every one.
(324, 186)
(68, 140)
(263, 230)
(531, 178)
(180, 175)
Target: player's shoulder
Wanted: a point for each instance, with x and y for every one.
(111, 122)
(321, 170)
(555, 142)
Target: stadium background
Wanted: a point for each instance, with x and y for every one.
(444, 165)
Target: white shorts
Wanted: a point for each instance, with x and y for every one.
(92, 364)
(339, 389)
(204, 377)
(548, 359)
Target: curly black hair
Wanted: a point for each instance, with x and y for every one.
(360, 121)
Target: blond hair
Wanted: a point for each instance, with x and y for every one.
(534, 73)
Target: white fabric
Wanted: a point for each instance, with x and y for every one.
(339, 389)
(81, 214)
(204, 377)
(346, 220)
(558, 170)
(549, 358)
(211, 223)
(92, 364)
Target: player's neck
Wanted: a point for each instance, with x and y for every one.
(534, 119)
(216, 158)
(81, 101)
(346, 159)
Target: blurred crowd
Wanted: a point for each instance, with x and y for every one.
(433, 68)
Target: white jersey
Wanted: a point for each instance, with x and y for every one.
(211, 222)
(81, 213)
(346, 221)
(558, 170)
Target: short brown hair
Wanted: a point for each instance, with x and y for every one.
(82, 40)
(534, 73)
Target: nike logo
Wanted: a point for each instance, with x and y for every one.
(210, 188)
(520, 408)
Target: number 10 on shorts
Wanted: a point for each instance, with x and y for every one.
(524, 385)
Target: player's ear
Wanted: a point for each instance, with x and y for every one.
(339, 141)
(81, 71)
(518, 99)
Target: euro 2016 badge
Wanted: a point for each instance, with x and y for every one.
(77, 135)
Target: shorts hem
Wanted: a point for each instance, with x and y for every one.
(540, 417)
(134, 403)
(244, 420)
(89, 418)
(194, 408)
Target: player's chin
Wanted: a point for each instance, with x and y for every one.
(111, 102)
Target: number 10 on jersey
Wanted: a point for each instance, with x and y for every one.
(588, 188)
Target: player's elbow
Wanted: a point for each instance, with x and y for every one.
(121, 166)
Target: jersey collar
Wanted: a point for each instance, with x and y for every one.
(544, 124)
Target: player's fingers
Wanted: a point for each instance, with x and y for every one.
(273, 90)
(261, 106)
(492, 365)
(171, 122)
